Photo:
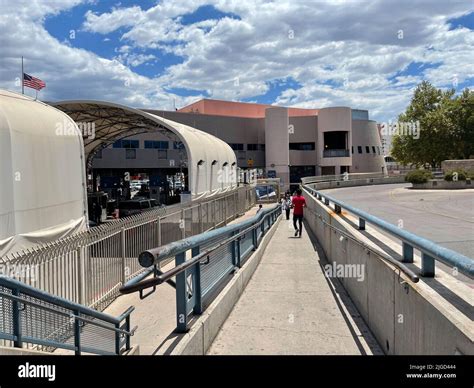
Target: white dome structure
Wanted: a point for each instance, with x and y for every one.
(42, 174)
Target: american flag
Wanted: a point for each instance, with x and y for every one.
(32, 82)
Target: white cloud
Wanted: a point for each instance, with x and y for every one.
(340, 52)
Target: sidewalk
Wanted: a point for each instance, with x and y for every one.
(290, 307)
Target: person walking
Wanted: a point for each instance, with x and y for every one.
(286, 206)
(298, 203)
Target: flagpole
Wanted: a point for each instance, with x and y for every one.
(22, 75)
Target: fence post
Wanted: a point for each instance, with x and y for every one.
(17, 343)
(80, 274)
(214, 214)
(224, 205)
(122, 247)
(201, 228)
(361, 224)
(183, 220)
(181, 296)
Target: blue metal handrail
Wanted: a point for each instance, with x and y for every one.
(75, 317)
(214, 255)
(430, 251)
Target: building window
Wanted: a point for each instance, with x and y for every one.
(352, 149)
(161, 145)
(126, 143)
(255, 147)
(162, 154)
(359, 149)
(367, 149)
(130, 153)
(98, 154)
(373, 150)
(237, 146)
(359, 114)
(302, 146)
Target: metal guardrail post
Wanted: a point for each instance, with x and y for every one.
(407, 253)
(197, 291)
(326, 201)
(18, 343)
(427, 265)
(181, 296)
(127, 336)
(77, 333)
(337, 209)
(117, 339)
(254, 239)
(361, 224)
(238, 253)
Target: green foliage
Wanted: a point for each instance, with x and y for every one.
(461, 175)
(418, 176)
(446, 127)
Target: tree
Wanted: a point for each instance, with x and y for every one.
(446, 127)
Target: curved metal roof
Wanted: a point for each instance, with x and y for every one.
(212, 164)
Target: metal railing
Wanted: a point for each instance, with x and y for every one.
(341, 177)
(31, 317)
(430, 251)
(203, 263)
(88, 268)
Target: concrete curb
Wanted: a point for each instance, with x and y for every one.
(199, 338)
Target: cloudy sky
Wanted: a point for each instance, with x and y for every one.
(366, 54)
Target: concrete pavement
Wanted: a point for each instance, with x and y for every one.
(290, 307)
(443, 216)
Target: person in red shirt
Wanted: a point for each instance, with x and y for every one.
(298, 203)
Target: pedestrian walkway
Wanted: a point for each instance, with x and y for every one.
(290, 307)
(155, 316)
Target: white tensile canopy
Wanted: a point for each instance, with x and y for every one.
(42, 174)
(211, 162)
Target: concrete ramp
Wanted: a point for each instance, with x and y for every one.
(290, 307)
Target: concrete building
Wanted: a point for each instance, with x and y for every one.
(287, 143)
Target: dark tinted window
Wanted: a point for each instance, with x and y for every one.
(129, 205)
(359, 149)
(302, 146)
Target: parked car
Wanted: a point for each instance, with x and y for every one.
(136, 206)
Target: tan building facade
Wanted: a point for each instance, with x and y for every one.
(287, 143)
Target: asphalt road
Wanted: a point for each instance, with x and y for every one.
(443, 216)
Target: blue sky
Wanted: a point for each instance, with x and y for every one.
(366, 54)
